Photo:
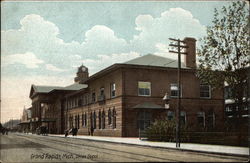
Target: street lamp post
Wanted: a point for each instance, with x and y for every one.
(179, 48)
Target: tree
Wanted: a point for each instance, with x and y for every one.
(224, 53)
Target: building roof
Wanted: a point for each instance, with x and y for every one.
(146, 61)
(155, 60)
(148, 105)
(48, 89)
(73, 87)
(44, 89)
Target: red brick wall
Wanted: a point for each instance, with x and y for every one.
(109, 103)
(160, 84)
(126, 80)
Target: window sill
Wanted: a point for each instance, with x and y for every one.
(145, 95)
(175, 96)
(205, 97)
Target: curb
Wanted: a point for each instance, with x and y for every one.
(171, 148)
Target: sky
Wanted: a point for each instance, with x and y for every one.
(43, 43)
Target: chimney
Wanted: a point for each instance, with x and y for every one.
(190, 57)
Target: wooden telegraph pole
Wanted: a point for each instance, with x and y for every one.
(177, 46)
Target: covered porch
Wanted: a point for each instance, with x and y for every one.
(141, 116)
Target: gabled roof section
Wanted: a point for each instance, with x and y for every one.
(155, 60)
(72, 87)
(41, 89)
(35, 89)
(45, 89)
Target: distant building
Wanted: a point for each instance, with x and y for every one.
(123, 98)
(25, 120)
(47, 108)
(233, 112)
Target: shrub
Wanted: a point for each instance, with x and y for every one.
(161, 130)
(164, 130)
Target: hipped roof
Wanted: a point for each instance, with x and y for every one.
(155, 60)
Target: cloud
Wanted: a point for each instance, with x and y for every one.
(104, 61)
(53, 68)
(102, 40)
(163, 50)
(175, 22)
(28, 59)
(40, 37)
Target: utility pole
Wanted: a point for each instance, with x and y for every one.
(178, 47)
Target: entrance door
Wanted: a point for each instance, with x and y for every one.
(143, 120)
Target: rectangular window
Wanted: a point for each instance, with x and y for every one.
(229, 108)
(205, 91)
(112, 90)
(183, 118)
(211, 120)
(80, 102)
(93, 97)
(102, 91)
(144, 88)
(201, 119)
(76, 102)
(228, 92)
(101, 96)
(174, 90)
(170, 115)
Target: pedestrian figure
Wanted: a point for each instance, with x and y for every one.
(66, 133)
(70, 131)
(74, 131)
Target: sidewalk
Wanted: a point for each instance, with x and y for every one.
(204, 148)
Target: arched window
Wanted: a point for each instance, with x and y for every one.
(91, 120)
(78, 121)
(94, 120)
(211, 120)
(85, 115)
(201, 119)
(114, 118)
(100, 119)
(75, 121)
(70, 121)
(103, 119)
(109, 117)
(83, 120)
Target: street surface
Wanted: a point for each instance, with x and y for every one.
(17, 147)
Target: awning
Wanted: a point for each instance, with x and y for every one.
(148, 105)
(24, 123)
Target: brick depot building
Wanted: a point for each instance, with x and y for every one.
(123, 98)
